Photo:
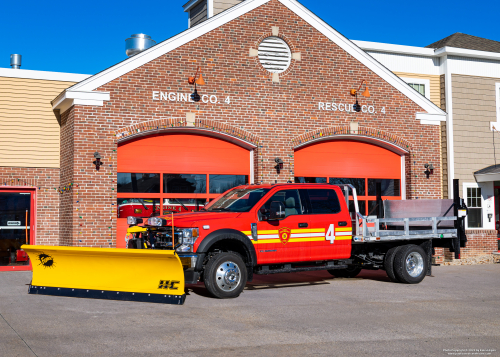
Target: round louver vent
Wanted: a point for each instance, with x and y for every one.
(274, 54)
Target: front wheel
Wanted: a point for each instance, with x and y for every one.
(350, 272)
(225, 275)
(410, 264)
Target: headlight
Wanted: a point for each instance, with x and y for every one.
(189, 236)
(131, 220)
(157, 222)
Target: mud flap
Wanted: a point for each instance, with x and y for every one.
(107, 273)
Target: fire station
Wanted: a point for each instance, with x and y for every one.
(262, 92)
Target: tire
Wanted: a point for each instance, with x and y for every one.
(225, 275)
(410, 264)
(389, 264)
(350, 272)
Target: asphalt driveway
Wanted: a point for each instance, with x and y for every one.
(456, 312)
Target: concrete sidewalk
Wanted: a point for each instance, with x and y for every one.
(299, 314)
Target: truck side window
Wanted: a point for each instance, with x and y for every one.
(290, 199)
(323, 201)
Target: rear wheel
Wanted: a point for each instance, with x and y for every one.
(350, 272)
(389, 263)
(410, 264)
(225, 275)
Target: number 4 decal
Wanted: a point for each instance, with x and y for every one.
(330, 235)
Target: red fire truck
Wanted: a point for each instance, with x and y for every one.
(268, 229)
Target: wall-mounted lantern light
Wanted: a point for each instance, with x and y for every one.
(196, 80)
(97, 162)
(429, 169)
(354, 93)
(279, 165)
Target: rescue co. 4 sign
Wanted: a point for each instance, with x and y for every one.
(349, 108)
(186, 97)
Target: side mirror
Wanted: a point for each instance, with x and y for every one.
(277, 211)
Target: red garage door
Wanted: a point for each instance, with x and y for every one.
(167, 173)
(347, 161)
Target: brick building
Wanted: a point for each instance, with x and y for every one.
(277, 86)
(160, 146)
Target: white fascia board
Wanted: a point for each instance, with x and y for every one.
(166, 46)
(187, 6)
(430, 119)
(387, 47)
(487, 177)
(462, 52)
(50, 76)
(69, 98)
(362, 56)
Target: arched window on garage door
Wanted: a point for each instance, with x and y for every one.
(162, 173)
(361, 164)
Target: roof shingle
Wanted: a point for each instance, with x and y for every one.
(462, 40)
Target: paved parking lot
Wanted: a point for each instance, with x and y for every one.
(302, 314)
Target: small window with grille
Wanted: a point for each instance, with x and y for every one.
(474, 203)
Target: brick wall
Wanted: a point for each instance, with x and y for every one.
(46, 181)
(275, 112)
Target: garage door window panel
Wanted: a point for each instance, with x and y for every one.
(222, 183)
(390, 187)
(138, 183)
(310, 180)
(138, 207)
(358, 183)
(184, 183)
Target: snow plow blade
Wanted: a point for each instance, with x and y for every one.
(107, 273)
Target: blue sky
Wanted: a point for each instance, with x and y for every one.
(89, 36)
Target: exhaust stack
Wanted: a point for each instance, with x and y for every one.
(138, 43)
(15, 61)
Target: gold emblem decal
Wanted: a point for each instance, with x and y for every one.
(284, 234)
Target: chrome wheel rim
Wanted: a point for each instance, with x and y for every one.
(414, 264)
(228, 276)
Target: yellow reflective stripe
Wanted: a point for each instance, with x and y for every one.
(267, 241)
(343, 229)
(268, 232)
(343, 238)
(310, 230)
(247, 233)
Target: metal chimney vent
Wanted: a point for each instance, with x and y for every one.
(15, 61)
(138, 43)
(274, 54)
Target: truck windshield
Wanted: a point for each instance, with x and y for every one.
(237, 200)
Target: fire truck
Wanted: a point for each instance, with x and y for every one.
(269, 229)
(251, 230)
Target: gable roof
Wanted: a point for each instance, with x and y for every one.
(462, 40)
(434, 113)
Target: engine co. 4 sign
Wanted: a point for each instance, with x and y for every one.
(186, 97)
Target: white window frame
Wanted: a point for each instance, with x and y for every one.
(496, 125)
(425, 82)
(497, 91)
(464, 194)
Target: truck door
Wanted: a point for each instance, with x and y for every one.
(278, 241)
(328, 222)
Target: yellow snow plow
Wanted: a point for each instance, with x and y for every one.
(107, 273)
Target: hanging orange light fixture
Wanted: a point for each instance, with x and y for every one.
(196, 80)
(354, 93)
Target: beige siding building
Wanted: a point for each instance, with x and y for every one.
(461, 74)
(29, 161)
